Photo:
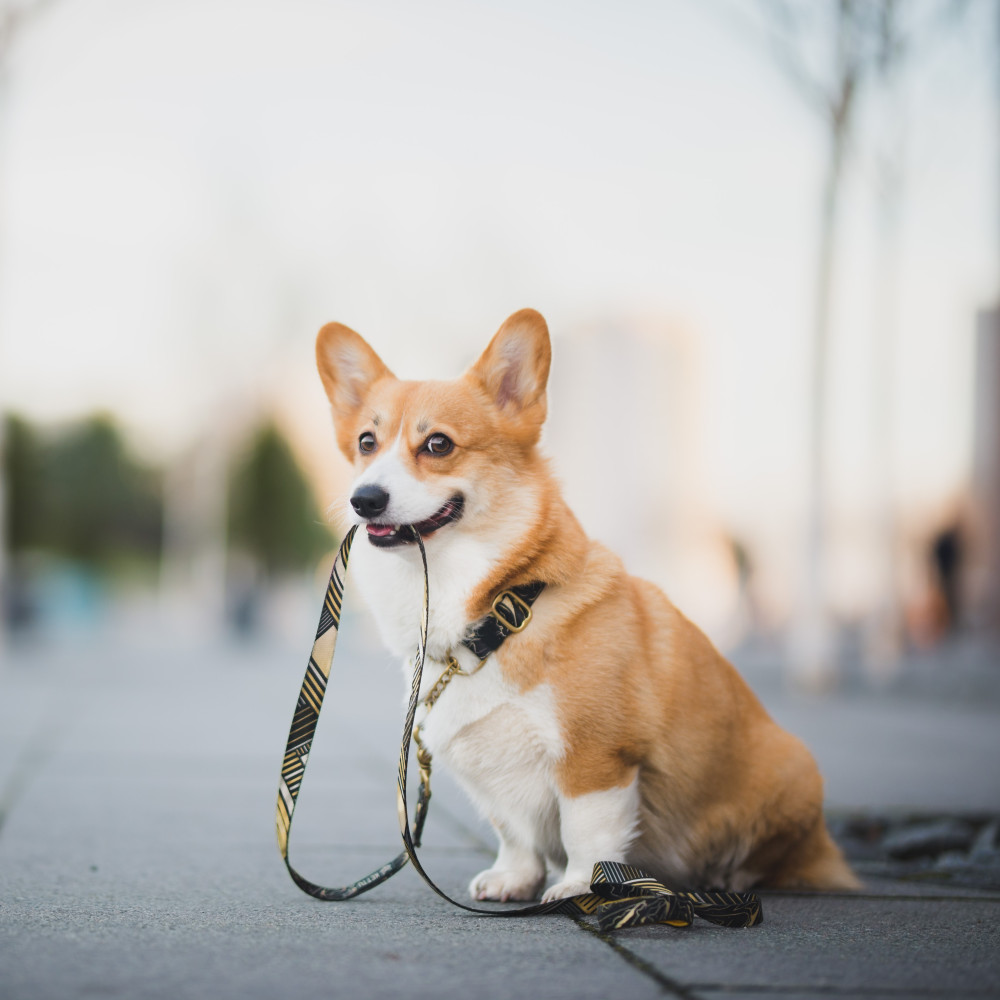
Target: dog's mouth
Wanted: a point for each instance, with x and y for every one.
(385, 536)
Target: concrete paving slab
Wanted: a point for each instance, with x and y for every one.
(137, 853)
(898, 755)
(839, 946)
(265, 943)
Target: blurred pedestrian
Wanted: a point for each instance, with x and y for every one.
(947, 556)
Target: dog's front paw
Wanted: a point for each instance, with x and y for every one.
(563, 889)
(495, 883)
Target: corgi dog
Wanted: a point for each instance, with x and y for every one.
(608, 728)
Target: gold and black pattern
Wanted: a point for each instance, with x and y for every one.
(621, 895)
(292, 770)
(631, 898)
(729, 909)
(303, 728)
(313, 686)
(635, 898)
(327, 619)
(615, 879)
(330, 615)
(638, 911)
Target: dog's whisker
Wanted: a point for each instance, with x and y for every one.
(336, 513)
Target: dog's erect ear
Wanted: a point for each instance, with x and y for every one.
(514, 369)
(348, 368)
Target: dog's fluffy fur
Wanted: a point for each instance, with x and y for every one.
(610, 728)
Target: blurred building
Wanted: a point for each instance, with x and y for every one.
(625, 436)
(984, 570)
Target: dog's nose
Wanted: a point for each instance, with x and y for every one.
(370, 500)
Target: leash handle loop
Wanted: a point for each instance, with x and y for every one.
(303, 729)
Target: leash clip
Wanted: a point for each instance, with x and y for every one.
(507, 616)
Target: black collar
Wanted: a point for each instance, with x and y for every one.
(511, 612)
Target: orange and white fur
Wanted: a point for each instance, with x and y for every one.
(610, 729)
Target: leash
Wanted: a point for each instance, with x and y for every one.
(621, 895)
(300, 737)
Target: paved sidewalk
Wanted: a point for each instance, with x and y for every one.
(137, 854)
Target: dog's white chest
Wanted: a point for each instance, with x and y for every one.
(481, 718)
(502, 745)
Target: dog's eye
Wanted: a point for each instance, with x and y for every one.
(367, 443)
(438, 444)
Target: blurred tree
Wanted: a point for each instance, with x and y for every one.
(272, 513)
(99, 503)
(833, 52)
(14, 17)
(77, 493)
(23, 473)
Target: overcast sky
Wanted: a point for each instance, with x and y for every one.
(191, 188)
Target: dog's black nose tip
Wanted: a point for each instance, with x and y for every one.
(370, 500)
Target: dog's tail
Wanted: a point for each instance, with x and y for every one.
(816, 862)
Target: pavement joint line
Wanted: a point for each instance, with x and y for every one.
(812, 989)
(33, 755)
(987, 897)
(668, 985)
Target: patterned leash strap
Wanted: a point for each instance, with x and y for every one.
(632, 898)
(621, 895)
(303, 729)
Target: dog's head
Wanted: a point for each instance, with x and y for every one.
(429, 455)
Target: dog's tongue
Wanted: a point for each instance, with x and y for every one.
(380, 530)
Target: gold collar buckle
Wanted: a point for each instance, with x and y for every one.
(506, 615)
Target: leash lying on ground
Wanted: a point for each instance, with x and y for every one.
(621, 895)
